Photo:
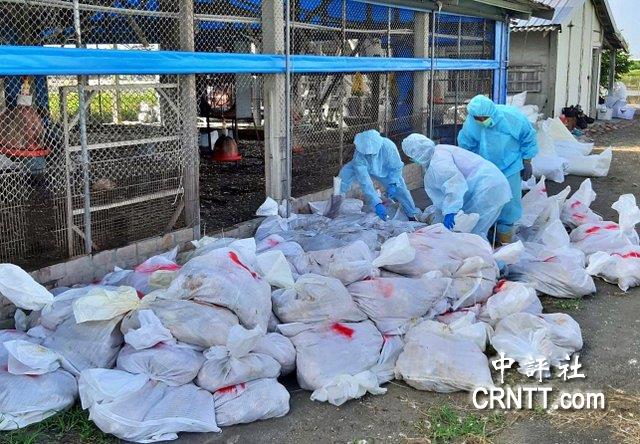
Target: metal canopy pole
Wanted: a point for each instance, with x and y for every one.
(82, 109)
(433, 69)
(287, 103)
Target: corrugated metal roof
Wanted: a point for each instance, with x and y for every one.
(564, 11)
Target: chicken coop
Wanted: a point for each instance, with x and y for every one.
(111, 110)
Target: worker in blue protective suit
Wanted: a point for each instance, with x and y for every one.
(377, 157)
(502, 135)
(456, 179)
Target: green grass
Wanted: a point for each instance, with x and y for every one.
(567, 304)
(102, 104)
(444, 424)
(71, 426)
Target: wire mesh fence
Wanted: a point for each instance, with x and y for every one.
(130, 146)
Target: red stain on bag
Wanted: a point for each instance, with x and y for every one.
(230, 389)
(142, 268)
(502, 283)
(273, 242)
(236, 260)
(342, 330)
(631, 255)
(576, 204)
(386, 288)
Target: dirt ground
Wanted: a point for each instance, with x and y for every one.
(610, 322)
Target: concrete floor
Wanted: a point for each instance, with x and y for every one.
(610, 322)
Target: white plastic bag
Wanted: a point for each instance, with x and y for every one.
(531, 339)
(595, 165)
(509, 298)
(275, 269)
(156, 272)
(621, 266)
(517, 100)
(576, 211)
(348, 206)
(103, 304)
(268, 208)
(252, 401)
(608, 236)
(34, 387)
(154, 412)
(386, 365)
(553, 267)
(437, 359)
(394, 304)
(327, 351)
(397, 250)
(573, 148)
(21, 289)
(234, 363)
(533, 203)
(150, 333)
(466, 258)
(316, 298)
(345, 387)
(349, 264)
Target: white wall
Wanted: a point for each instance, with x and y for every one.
(574, 59)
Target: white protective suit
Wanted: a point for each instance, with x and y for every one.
(456, 179)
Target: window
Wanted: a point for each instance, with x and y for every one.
(525, 78)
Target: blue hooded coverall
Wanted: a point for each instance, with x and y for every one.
(456, 179)
(377, 157)
(508, 140)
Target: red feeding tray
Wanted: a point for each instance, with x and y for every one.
(33, 151)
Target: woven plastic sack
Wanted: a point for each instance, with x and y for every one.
(465, 258)
(225, 277)
(149, 413)
(252, 401)
(394, 304)
(595, 165)
(275, 269)
(156, 272)
(235, 363)
(33, 385)
(316, 298)
(196, 323)
(280, 348)
(435, 358)
(330, 355)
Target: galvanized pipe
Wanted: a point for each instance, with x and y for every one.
(287, 103)
(82, 109)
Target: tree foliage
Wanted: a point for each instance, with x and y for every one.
(623, 65)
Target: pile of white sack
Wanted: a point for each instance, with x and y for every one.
(560, 153)
(198, 342)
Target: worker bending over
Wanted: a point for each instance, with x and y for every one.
(377, 157)
(456, 179)
(502, 135)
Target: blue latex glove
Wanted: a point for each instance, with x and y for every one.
(449, 221)
(381, 211)
(392, 191)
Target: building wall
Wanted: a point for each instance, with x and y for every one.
(574, 62)
(535, 48)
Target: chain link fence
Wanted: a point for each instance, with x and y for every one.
(130, 145)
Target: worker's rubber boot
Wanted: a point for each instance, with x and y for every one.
(505, 238)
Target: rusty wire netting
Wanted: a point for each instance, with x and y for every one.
(140, 129)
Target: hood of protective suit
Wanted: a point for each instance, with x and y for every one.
(419, 148)
(368, 142)
(481, 106)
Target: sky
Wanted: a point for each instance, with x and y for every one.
(627, 16)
